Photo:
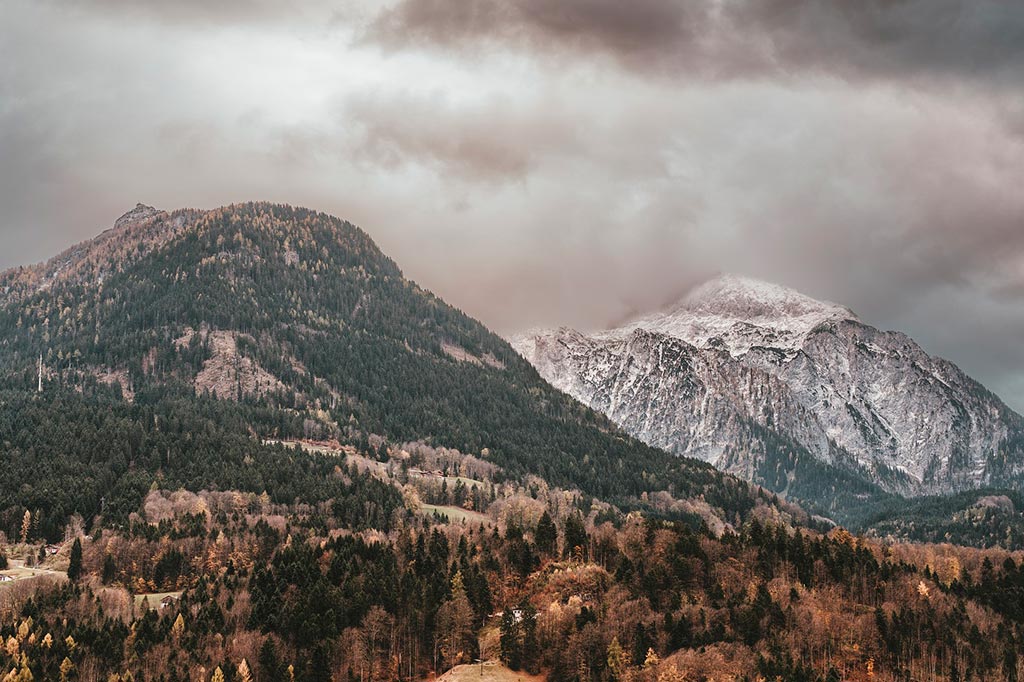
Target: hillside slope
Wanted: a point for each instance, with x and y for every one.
(294, 324)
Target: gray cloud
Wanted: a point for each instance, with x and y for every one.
(982, 39)
(644, 27)
(481, 141)
(204, 13)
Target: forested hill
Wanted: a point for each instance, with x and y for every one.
(295, 325)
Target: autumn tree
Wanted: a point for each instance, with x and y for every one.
(618, 659)
(455, 625)
(376, 627)
(67, 669)
(243, 674)
(178, 628)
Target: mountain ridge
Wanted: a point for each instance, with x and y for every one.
(734, 349)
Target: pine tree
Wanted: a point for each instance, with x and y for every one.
(546, 535)
(270, 663)
(511, 649)
(75, 567)
(320, 664)
(218, 675)
(109, 569)
(530, 645)
(576, 540)
(455, 624)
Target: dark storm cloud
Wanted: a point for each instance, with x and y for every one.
(978, 38)
(642, 27)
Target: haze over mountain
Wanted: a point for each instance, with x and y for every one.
(757, 379)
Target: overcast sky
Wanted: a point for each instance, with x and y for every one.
(543, 162)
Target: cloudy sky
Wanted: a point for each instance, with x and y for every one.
(541, 162)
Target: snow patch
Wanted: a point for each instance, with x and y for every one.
(740, 313)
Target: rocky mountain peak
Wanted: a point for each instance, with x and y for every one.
(737, 355)
(747, 298)
(139, 213)
(737, 313)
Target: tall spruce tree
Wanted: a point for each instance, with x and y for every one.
(546, 535)
(75, 567)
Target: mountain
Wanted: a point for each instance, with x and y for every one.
(176, 342)
(794, 393)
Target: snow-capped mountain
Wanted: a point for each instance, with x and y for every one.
(757, 378)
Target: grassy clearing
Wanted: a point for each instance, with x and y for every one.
(468, 482)
(17, 570)
(450, 480)
(153, 599)
(490, 671)
(454, 514)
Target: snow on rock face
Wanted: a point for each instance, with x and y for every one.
(739, 313)
(739, 351)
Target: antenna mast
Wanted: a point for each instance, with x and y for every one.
(40, 389)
